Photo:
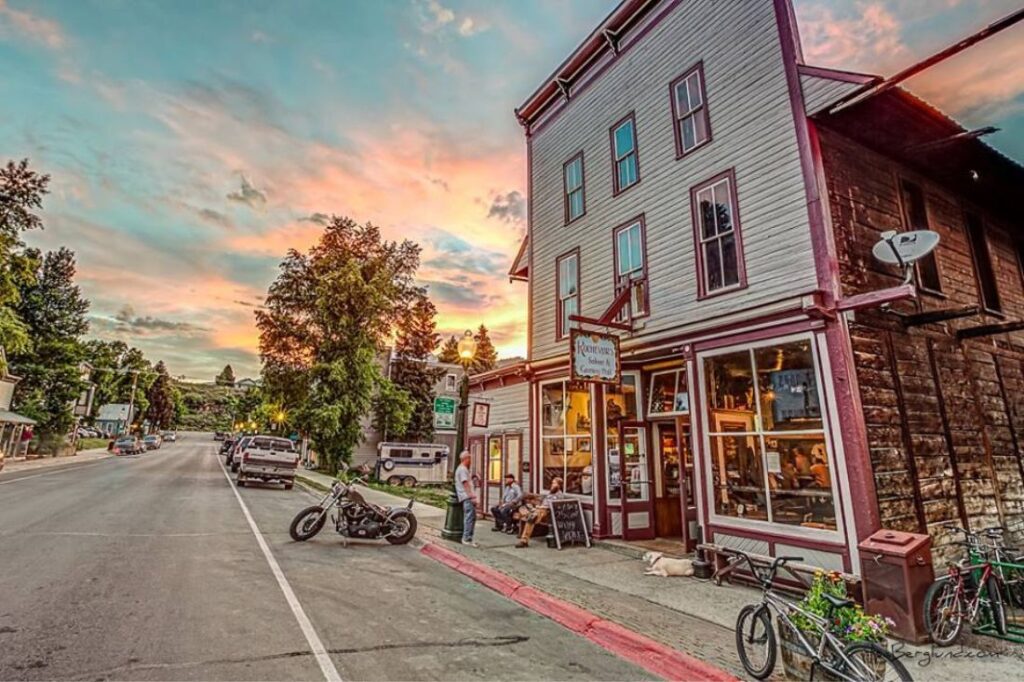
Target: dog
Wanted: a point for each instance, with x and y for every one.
(662, 566)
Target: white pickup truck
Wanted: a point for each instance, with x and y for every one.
(266, 458)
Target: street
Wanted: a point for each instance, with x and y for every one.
(147, 568)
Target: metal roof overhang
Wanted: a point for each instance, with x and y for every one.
(8, 417)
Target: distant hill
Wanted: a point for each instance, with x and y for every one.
(206, 407)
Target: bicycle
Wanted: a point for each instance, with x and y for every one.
(854, 662)
(971, 589)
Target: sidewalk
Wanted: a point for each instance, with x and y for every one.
(689, 615)
(12, 465)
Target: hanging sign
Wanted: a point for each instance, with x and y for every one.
(595, 357)
(481, 414)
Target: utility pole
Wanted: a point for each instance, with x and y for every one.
(131, 400)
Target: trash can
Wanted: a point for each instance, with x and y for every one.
(896, 571)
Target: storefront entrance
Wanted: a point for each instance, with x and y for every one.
(675, 513)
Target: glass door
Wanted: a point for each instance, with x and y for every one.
(668, 516)
(631, 481)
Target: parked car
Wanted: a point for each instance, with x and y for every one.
(128, 445)
(226, 446)
(235, 453)
(267, 458)
(153, 441)
(170, 436)
(221, 435)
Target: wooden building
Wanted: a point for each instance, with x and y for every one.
(694, 188)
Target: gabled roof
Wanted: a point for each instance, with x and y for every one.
(520, 269)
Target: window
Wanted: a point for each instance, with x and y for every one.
(494, 459)
(450, 382)
(572, 184)
(566, 437)
(690, 111)
(769, 457)
(625, 164)
(915, 217)
(718, 241)
(631, 267)
(983, 263)
(628, 449)
(568, 273)
(669, 393)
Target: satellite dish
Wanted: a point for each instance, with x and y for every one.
(905, 248)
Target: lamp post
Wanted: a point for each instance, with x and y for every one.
(279, 418)
(453, 518)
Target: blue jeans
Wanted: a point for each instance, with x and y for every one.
(468, 520)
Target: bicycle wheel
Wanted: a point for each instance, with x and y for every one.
(755, 641)
(873, 663)
(996, 607)
(929, 601)
(944, 612)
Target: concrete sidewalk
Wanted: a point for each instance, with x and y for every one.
(690, 615)
(19, 465)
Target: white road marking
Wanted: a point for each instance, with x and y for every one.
(54, 473)
(315, 645)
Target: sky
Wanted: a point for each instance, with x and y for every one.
(191, 143)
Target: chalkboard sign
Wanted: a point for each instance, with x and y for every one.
(568, 523)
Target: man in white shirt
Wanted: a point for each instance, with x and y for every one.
(467, 496)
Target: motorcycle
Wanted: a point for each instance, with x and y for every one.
(356, 518)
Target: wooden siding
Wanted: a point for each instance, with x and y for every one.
(752, 123)
(820, 92)
(945, 418)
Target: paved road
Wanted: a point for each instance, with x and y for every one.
(147, 568)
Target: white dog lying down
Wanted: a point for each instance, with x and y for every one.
(660, 565)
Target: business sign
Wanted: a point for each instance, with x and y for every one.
(444, 413)
(481, 414)
(595, 357)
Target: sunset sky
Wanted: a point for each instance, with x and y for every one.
(191, 143)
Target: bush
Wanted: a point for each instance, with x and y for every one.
(850, 624)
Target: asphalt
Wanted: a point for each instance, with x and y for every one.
(146, 568)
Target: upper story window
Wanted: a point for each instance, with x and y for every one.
(626, 170)
(982, 263)
(631, 267)
(568, 271)
(690, 111)
(915, 217)
(450, 382)
(572, 185)
(720, 265)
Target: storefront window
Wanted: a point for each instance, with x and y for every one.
(669, 393)
(566, 436)
(494, 460)
(628, 449)
(769, 458)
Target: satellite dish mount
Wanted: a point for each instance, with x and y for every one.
(903, 249)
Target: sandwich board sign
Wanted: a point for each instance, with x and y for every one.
(568, 523)
(594, 357)
(444, 412)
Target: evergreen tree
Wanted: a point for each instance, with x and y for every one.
(449, 351)
(411, 371)
(161, 398)
(486, 357)
(226, 377)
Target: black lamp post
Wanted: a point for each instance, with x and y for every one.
(454, 515)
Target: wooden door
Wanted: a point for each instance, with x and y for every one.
(668, 517)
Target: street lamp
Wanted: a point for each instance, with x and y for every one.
(453, 518)
(279, 418)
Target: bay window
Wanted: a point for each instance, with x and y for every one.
(769, 457)
(566, 436)
(719, 246)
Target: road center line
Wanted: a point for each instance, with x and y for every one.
(315, 645)
(70, 467)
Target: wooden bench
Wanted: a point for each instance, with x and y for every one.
(793, 577)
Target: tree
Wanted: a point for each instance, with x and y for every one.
(53, 310)
(161, 398)
(226, 377)
(449, 351)
(486, 357)
(415, 340)
(21, 193)
(326, 318)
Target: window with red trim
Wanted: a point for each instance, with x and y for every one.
(631, 268)
(625, 162)
(720, 265)
(690, 111)
(567, 269)
(572, 187)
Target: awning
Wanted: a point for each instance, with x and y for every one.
(8, 417)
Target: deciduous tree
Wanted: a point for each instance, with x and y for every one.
(411, 370)
(161, 398)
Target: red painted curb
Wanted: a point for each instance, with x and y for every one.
(654, 657)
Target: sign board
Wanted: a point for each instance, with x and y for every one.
(569, 524)
(481, 414)
(595, 357)
(444, 412)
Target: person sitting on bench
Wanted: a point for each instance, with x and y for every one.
(509, 502)
(541, 513)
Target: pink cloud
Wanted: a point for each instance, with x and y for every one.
(867, 40)
(32, 26)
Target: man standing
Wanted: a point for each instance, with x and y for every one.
(541, 513)
(467, 496)
(503, 512)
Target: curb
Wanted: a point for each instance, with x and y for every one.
(654, 657)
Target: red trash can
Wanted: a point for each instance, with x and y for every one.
(896, 571)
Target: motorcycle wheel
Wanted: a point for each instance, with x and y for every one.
(404, 528)
(305, 524)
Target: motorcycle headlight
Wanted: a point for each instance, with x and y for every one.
(337, 489)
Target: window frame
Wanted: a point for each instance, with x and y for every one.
(609, 499)
(565, 381)
(640, 220)
(675, 372)
(569, 219)
(905, 223)
(982, 225)
(560, 333)
(737, 230)
(703, 111)
(491, 459)
(453, 379)
(616, 188)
